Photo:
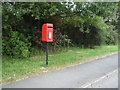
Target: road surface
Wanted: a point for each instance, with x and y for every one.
(102, 72)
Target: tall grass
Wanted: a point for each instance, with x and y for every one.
(14, 69)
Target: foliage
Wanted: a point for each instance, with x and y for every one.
(79, 23)
(61, 40)
(16, 45)
(111, 36)
(29, 17)
(88, 31)
(118, 22)
(103, 9)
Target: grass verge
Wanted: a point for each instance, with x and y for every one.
(15, 69)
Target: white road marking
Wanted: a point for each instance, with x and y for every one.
(93, 82)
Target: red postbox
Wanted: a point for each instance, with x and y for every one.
(47, 32)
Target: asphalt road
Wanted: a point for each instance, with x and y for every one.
(76, 76)
(109, 80)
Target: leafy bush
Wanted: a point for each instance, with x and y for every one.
(16, 45)
(61, 40)
(86, 31)
(111, 36)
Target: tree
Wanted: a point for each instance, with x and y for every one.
(27, 23)
(83, 23)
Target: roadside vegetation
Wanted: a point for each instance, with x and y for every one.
(82, 31)
(14, 69)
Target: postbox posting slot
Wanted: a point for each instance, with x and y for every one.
(50, 27)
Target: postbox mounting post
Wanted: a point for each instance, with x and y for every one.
(46, 53)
